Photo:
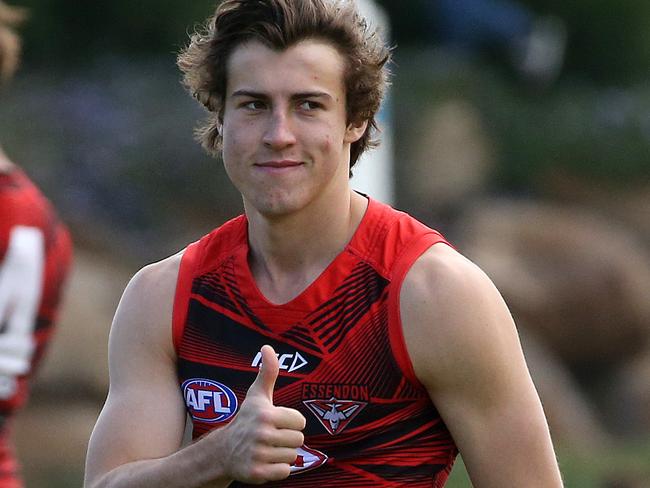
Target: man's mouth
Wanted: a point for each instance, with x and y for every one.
(284, 163)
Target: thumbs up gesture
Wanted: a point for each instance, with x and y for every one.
(262, 439)
(264, 384)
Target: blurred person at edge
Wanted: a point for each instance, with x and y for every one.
(35, 256)
(393, 350)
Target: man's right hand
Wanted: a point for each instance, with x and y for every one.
(262, 439)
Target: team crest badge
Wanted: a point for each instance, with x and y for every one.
(333, 414)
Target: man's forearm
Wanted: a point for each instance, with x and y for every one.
(187, 468)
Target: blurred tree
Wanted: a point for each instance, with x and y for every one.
(77, 31)
(97, 72)
(409, 23)
(609, 40)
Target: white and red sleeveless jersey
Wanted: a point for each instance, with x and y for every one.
(35, 255)
(343, 361)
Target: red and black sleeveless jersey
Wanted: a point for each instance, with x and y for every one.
(343, 361)
(35, 255)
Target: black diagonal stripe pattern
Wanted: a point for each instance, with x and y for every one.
(233, 285)
(221, 288)
(351, 301)
(301, 336)
(211, 287)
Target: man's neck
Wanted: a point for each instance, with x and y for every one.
(288, 254)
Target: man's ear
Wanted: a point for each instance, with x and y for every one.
(355, 131)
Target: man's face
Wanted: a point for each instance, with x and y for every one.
(286, 143)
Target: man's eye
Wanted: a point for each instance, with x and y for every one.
(254, 105)
(309, 105)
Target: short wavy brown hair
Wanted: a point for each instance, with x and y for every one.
(10, 17)
(280, 24)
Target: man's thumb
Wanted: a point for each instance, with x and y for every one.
(268, 373)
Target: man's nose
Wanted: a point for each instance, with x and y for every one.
(280, 131)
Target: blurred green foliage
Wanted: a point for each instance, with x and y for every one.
(609, 40)
(76, 31)
(100, 93)
(596, 132)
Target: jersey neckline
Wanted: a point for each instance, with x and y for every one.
(300, 302)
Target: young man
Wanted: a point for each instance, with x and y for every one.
(322, 338)
(35, 254)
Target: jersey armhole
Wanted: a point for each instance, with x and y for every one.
(183, 292)
(401, 267)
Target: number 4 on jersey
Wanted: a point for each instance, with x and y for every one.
(21, 286)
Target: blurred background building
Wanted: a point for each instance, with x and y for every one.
(520, 128)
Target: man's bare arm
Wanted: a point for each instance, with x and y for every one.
(466, 351)
(142, 422)
(137, 439)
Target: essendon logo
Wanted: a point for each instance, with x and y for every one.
(307, 459)
(335, 406)
(333, 414)
(209, 401)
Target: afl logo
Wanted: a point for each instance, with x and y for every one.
(209, 401)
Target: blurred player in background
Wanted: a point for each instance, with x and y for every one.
(322, 338)
(35, 255)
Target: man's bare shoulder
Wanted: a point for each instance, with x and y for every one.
(158, 277)
(445, 276)
(465, 350)
(145, 309)
(450, 309)
(154, 284)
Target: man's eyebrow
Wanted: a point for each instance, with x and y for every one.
(311, 94)
(248, 93)
(295, 96)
